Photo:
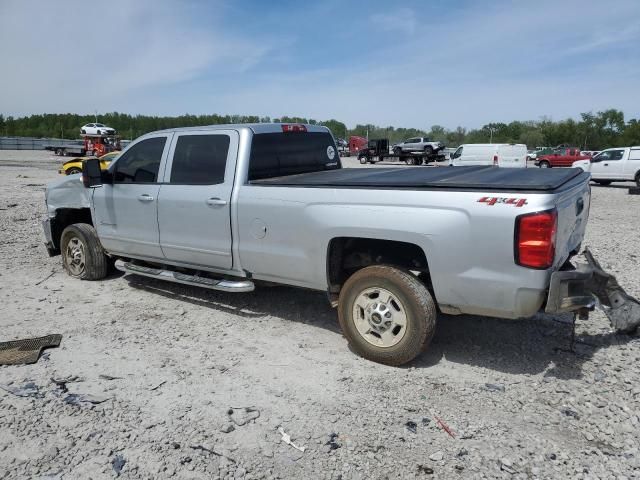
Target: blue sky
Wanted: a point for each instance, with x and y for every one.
(411, 64)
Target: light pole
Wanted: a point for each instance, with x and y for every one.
(491, 135)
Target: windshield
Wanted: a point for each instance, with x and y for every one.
(280, 154)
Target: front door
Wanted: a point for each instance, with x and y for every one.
(194, 212)
(608, 165)
(126, 211)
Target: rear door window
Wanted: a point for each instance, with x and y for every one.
(141, 162)
(200, 159)
(280, 154)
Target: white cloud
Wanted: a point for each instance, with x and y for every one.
(75, 56)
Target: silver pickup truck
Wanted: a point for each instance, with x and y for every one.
(227, 207)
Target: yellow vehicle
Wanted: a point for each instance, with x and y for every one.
(75, 165)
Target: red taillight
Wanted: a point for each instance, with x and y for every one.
(295, 127)
(536, 239)
(495, 160)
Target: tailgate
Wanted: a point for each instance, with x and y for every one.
(573, 212)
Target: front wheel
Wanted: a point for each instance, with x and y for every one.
(638, 179)
(428, 150)
(82, 254)
(363, 160)
(74, 170)
(387, 315)
(545, 164)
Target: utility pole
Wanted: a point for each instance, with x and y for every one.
(96, 115)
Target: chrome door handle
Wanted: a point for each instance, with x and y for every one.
(145, 198)
(216, 202)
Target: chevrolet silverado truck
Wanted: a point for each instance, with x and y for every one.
(227, 207)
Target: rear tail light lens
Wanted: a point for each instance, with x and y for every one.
(495, 160)
(296, 127)
(535, 239)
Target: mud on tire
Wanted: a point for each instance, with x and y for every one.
(366, 293)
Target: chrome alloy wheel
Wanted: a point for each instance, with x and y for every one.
(380, 317)
(74, 256)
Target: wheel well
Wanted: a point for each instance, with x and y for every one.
(65, 217)
(346, 255)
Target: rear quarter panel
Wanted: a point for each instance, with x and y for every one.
(469, 245)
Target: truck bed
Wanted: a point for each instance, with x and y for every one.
(484, 178)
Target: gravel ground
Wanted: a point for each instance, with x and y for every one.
(186, 383)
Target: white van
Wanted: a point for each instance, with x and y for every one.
(498, 154)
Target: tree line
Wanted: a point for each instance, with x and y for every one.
(594, 131)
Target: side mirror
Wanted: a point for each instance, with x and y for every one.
(91, 173)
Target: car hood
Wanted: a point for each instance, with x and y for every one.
(68, 192)
(583, 164)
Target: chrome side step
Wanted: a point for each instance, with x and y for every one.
(239, 286)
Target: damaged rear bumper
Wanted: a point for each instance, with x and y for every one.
(588, 286)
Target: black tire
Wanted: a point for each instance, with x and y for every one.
(74, 170)
(419, 307)
(83, 131)
(363, 160)
(59, 151)
(603, 182)
(94, 261)
(544, 164)
(428, 150)
(397, 151)
(638, 179)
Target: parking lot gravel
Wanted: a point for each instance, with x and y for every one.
(157, 380)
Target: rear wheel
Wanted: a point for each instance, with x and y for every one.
(387, 315)
(73, 171)
(397, 151)
(638, 179)
(82, 254)
(545, 164)
(59, 151)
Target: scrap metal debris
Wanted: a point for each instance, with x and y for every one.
(444, 426)
(412, 426)
(158, 385)
(286, 438)
(26, 351)
(78, 399)
(243, 415)
(61, 383)
(29, 389)
(333, 442)
(118, 463)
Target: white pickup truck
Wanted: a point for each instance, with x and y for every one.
(227, 207)
(613, 165)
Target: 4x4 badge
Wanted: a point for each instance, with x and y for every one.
(516, 202)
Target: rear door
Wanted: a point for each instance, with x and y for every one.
(194, 213)
(126, 212)
(632, 165)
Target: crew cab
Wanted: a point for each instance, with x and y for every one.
(230, 206)
(417, 144)
(561, 157)
(613, 165)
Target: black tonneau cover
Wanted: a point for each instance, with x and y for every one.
(456, 178)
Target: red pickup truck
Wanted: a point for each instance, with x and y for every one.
(561, 157)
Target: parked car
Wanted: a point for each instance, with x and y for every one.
(561, 157)
(533, 154)
(497, 154)
(417, 144)
(613, 165)
(96, 129)
(227, 206)
(74, 165)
